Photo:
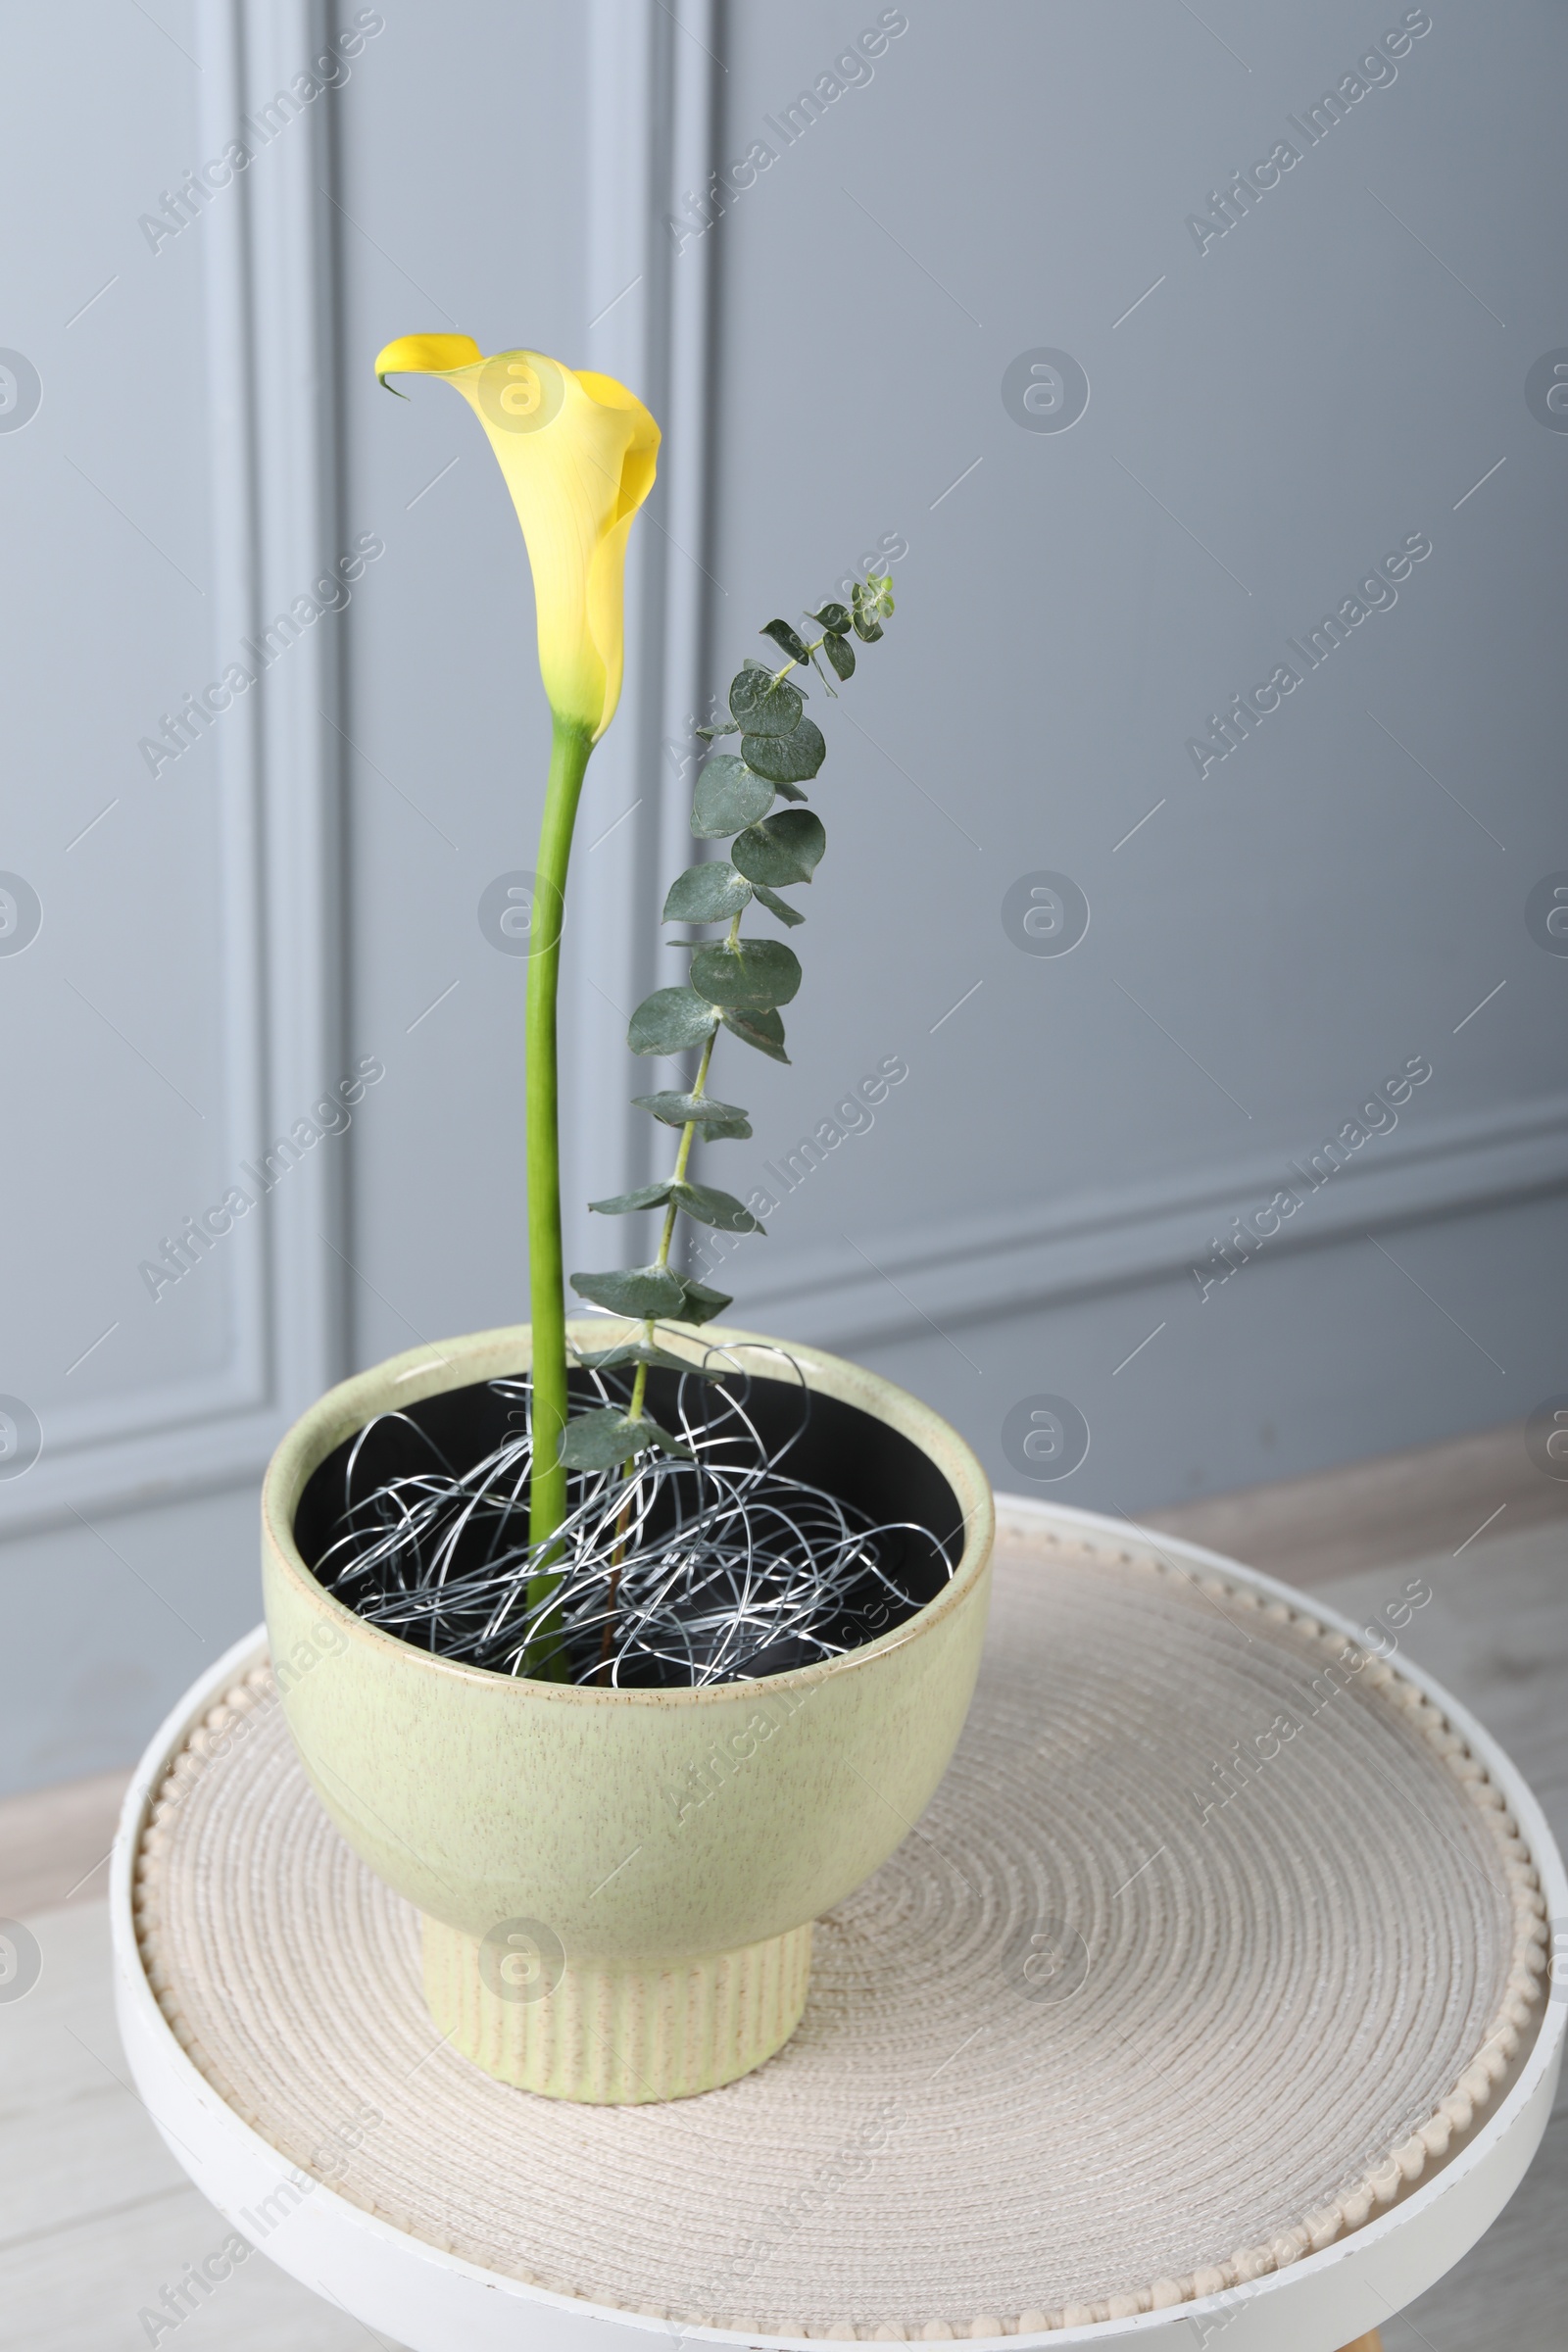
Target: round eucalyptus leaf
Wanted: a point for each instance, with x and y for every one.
(786, 848)
(764, 1030)
(711, 1207)
(765, 705)
(789, 639)
(792, 758)
(776, 905)
(728, 795)
(671, 1020)
(714, 1120)
(607, 1436)
(710, 893)
(840, 652)
(753, 975)
(638, 1290)
(700, 1305)
(620, 1205)
(638, 1351)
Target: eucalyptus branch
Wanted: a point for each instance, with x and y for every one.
(639, 1388)
(737, 983)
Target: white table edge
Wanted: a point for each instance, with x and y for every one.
(390, 2279)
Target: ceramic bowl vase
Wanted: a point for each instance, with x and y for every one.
(617, 1885)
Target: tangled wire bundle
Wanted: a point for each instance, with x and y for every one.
(709, 1566)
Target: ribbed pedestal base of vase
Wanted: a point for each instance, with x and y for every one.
(609, 2035)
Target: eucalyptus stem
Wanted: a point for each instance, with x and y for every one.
(735, 983)
(814, 645)
(639, 1388)
(569, 750)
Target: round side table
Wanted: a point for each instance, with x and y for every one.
(1211, 1997)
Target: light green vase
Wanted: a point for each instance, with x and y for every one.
(617, 1886)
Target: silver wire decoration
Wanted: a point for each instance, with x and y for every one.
(714, 1567)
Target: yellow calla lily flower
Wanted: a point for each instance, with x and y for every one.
(578, 452)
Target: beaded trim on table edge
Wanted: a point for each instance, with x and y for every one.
(1310, 2235)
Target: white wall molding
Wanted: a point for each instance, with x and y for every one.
(650, 135)
(1035, 1255)
(267, 330)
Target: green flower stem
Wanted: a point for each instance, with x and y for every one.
(570, 747)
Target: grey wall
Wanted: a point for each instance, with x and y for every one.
(1292, 400)
(295, 896)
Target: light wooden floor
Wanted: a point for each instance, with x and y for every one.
(96, 2217)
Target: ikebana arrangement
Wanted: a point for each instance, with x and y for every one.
(675, 1553)
(554, 1558)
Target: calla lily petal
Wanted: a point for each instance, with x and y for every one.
(578, 452)
(425, 355)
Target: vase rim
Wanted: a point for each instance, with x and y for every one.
(478, 1357)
